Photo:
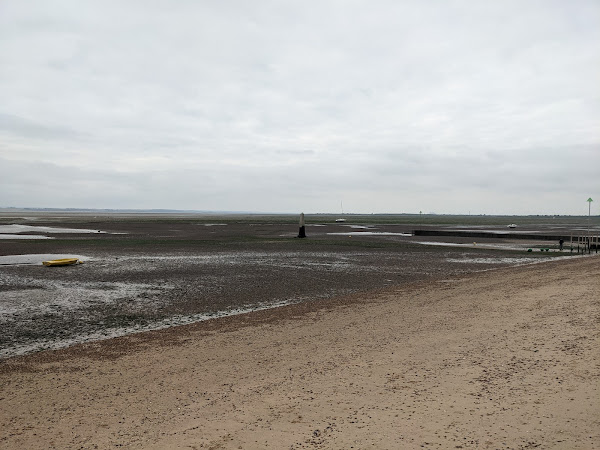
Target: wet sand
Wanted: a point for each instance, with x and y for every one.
(144, 273)
(500, 359)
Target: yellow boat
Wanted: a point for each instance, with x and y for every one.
(60, 262)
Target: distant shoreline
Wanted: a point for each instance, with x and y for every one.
(10, 209)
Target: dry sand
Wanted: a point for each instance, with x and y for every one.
(500, 359)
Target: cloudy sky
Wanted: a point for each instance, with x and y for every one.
(286, 106)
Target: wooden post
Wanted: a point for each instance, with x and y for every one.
(302, 229)
(588, 245)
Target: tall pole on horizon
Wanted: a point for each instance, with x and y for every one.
(589, 200)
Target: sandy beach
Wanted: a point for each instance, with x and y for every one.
(506, 358)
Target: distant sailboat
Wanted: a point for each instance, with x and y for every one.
(341, 219)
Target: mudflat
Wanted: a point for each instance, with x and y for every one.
(505, 358)
(149, 272)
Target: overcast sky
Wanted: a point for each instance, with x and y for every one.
(286, 106)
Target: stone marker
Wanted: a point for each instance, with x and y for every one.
(302, 230)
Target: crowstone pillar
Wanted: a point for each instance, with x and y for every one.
(302, 230)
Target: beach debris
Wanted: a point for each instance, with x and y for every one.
(61, 262)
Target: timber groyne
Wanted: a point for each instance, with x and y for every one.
(580, 240)
(493, 235)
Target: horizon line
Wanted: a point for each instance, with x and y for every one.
(206, 212)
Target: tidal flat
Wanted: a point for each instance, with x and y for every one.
(152, 271)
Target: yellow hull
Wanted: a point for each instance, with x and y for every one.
(60, 262)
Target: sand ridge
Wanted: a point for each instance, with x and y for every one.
(500, 359)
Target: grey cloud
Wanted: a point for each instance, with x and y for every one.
(373, 100)
(18, 126)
